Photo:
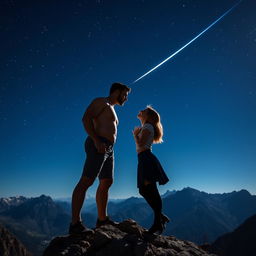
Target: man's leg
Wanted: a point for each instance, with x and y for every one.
(78, 197)
(102, 197)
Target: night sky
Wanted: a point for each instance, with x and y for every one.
(57, 56)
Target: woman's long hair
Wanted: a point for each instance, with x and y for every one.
(155, 119)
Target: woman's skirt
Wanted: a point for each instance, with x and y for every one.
(150, 169)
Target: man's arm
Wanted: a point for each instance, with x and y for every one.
(93, 110)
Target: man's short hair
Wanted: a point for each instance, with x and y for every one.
(120, 87)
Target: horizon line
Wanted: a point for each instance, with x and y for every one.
(129, 196)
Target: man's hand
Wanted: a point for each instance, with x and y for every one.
(101, 146)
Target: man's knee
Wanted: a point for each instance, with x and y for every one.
(105, 184)
(85, 182)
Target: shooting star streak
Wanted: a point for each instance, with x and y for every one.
(222, 16)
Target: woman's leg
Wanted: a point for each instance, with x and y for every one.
(152, 196)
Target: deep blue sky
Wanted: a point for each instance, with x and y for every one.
(56, 56)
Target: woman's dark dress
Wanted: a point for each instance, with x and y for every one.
(150, 169)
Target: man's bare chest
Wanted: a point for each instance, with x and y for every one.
(108, 114)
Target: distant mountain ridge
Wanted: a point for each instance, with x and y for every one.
(240, 242)
(168, 193)
(203, 217)
(9, 202)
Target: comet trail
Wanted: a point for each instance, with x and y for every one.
(187, 44)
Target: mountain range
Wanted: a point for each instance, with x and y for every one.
(195, 216)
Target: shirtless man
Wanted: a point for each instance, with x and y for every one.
(100, 122)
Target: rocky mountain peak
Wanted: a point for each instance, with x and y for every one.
(126, 239)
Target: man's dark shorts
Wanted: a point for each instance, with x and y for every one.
(98, 164)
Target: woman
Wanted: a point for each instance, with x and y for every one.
(150, 170)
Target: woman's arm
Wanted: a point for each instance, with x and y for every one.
(142, 138)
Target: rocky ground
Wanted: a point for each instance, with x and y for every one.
(125, 239)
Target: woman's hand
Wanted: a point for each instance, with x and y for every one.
(136, 131)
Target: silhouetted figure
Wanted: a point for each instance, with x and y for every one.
(150, 170)
(100, 122)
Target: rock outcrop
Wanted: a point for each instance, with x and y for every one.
(10, 246)
(125, 239)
